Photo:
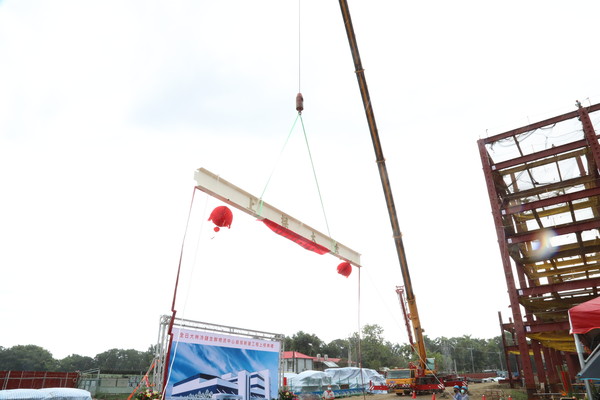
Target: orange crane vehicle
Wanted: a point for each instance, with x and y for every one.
(416, 377)
(422, 377)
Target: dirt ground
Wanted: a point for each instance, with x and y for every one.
(476, 391)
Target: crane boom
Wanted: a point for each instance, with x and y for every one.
(385, 182)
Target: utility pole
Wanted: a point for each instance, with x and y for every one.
(472, 362)
(349, 352)
(500, 359)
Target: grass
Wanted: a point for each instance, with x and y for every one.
(111, 396)
(516, 394)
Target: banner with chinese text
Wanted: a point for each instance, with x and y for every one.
(212, 365)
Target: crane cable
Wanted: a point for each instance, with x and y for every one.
(299, 45)
(299, 109)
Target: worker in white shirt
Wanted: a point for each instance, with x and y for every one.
(328, 394)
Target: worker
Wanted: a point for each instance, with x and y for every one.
(328, 394)
(456, 395)
(464, 393)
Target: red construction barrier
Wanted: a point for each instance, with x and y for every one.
(37, 379)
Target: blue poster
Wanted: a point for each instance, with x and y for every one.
(209, 365)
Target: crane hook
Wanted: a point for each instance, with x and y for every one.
(299, 103)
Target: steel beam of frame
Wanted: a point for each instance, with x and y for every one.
(559, 287)
(225, 191)
(504, 345)
(538, 190)
(559, 230)
(540, 154)
(539, 327)
(540, 124)
(590, 134)
(551, 201)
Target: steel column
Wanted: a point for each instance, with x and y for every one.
(551, 370)
(539, 363)
(590, 134)
(506, 263)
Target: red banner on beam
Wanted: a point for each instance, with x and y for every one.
(294, 237)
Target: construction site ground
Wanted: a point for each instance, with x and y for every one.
(491, 391)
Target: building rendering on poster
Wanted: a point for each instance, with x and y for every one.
(209, 365)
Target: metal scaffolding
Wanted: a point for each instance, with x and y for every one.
(543, 182)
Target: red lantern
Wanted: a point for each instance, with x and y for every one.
(344, 269)
(221, 217)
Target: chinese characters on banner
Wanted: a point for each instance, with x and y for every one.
(217, 366)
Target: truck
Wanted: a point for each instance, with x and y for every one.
(405, 381)
(420, 378)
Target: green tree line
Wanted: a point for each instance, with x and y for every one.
(35, 358)
(461, 354)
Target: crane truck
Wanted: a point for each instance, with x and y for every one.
(415, 378)
(421, 376)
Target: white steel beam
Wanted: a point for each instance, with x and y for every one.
(225, 191)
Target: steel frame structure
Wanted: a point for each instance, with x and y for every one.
(543, 182)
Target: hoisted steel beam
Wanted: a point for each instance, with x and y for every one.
(227, 192)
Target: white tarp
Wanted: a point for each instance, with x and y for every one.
(310, 381)
(351, 378)
(289, 377)
(356, 377)
(45, 394)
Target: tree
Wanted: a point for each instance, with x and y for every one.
(288, 343)
(75, 362)
(463, 354)
(27, 358)
(337, 348)
(375, 352)
(124, 360)
(306, 343)
(373, 349)
(399, 355)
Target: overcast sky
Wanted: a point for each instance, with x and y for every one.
(108, 107)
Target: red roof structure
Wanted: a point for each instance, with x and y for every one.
(295, 354)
